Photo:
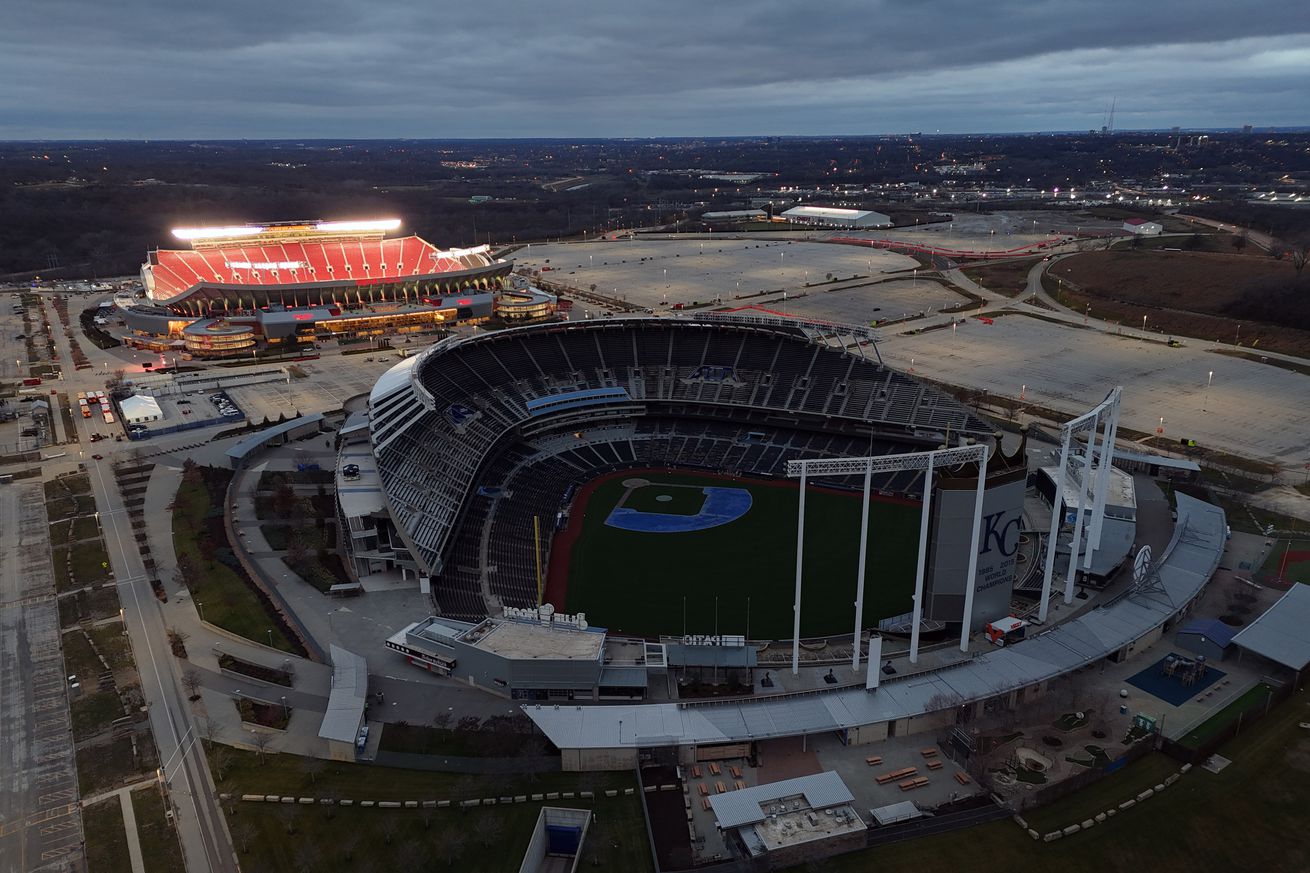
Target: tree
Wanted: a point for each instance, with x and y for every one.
(1299, 256)
(284, 499)
(389, 827)
(191, 682)
(311, 767)
(350, 844)
(451, 846)
(1239, 240)
(191, 472)
(260, 741)
(242, 834)
(222, 760)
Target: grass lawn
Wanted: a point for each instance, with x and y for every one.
(159, 845)
(90, 562)
(113, 645)
(106, 840)
(110, 765)
(489, 839)
(94, 710)
(634, 582)
(1248, 817)
(1253, 699)
(88, 606)
(420, 739)
(1009, 278)
(79, 658)
(229, 602)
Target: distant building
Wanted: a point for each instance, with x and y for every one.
(829, 216)
(1142, 227)
(736, 215)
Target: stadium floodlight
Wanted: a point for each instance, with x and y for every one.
(194, 233)
(357, 226)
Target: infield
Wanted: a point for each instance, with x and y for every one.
(715, 537)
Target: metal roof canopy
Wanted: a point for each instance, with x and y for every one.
(745, 806)
(345, 709)
(1282, 634)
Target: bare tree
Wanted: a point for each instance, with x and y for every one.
(206, 729)
(191, 682)
(350, 844)
(389, 828)
(311, 767)
(451, 846)
(426, 815)
(222, 761)
(260, 741)
(242, 834)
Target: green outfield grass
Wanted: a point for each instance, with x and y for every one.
(1297, 568)
(636, 582)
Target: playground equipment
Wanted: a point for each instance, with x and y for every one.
(1186, 670)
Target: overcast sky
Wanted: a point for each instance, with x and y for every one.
(360, 68)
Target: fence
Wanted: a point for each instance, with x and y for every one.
(1198, 753)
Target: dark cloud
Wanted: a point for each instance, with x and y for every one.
(139, 68)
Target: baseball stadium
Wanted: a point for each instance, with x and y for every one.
(635, 470)
(237, 290)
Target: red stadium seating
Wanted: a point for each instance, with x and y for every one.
(176, 272)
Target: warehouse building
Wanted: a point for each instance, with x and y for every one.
(831, 216)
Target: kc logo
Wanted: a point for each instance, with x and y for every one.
(1000, 533)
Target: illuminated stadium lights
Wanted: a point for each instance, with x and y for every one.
(462, 253)
(357, 226)
(194, 233)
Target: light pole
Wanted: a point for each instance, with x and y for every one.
(270, 638)
(1143, 324)
(201, 607)
(286, 713)
(1205, 399)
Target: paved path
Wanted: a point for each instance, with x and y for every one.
(133, 836)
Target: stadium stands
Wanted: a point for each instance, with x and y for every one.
(500, 411)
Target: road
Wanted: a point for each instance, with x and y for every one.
(205, 842)
(40, 821)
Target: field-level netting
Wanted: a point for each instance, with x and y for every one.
(635, 582)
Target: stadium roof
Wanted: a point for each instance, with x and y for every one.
(745, 806)
(345, 709)
(1282, 634)
(1188, 563)
(170, 273)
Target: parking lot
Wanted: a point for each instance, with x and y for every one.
(1248, 408)
(39, 817)
(895, 300)
(652, 272)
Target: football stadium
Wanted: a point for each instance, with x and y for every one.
(240, 290)
(636, 470)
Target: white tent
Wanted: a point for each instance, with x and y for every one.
(140, 408)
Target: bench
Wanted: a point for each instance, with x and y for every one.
(705, 803)
(720, 788)
(893, 775)
(962, 778)
(703, 789)
(916, 782)
(695, 771)
(873, 761)
(740, 784)
(736, 771)
(934, 765)
(928, 752)
(715, 769)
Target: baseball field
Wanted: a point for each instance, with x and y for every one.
(652, 552)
